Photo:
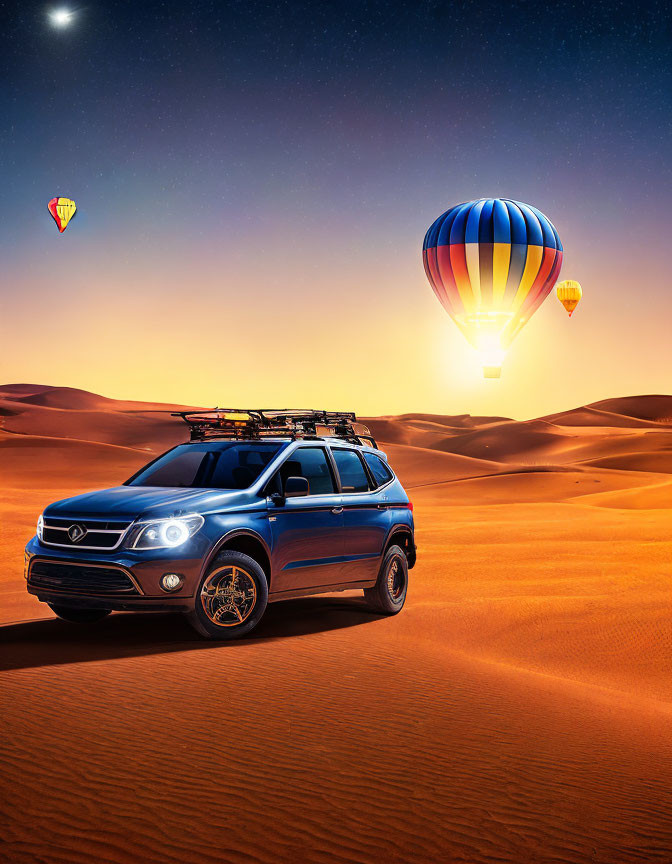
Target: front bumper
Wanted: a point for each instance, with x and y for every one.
(121, 580)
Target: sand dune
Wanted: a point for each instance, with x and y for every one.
(556, 485)
(624, 432)
(66, 398)
(72, 399)
(423, 430)
(139, 429)
(31, 412)
(591, 416)
(517, 711)
(657, 408)
(654, 462)
(21, 390)
(654, 496)
(30, 461)
(533, 440)
(418, 466)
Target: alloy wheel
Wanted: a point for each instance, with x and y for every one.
(228, 596)
(395, 578)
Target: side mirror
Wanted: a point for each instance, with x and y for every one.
(296, 487)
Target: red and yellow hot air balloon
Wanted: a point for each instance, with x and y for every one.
(62, 209)
(569, 293)
(492, 263)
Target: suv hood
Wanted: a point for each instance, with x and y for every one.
(149, 501)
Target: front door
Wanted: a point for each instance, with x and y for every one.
(307, 532)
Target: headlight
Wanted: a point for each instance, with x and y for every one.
(40, 527)
(165, 533)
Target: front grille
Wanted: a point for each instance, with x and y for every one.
(80, 579)
(83, 533)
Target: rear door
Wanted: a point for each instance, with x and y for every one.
(366, 520)
(307, 532)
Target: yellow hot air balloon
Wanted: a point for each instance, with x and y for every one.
(569, 293)
(62, 210)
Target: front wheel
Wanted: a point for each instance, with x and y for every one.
(389, 593)
(231, 597)
(78, 615)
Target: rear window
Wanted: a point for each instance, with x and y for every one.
(225, 465)
(381, 473)
(351, 471)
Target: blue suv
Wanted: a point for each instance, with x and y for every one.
(259, 506)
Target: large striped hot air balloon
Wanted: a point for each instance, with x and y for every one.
(491, 263)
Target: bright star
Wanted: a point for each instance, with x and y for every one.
(61, 17)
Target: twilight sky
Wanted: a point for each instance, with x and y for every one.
(254, 181)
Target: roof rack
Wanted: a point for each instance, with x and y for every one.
(247, 423)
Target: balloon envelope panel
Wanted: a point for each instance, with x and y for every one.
(491, 263)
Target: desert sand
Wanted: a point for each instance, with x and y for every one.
(517, 710)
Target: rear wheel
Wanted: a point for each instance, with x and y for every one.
(78, 615)
(389, 593)
(231, 598)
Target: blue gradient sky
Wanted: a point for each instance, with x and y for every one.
(254, 182)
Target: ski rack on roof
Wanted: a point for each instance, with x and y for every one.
(247, 423)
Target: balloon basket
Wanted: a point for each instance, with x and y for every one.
(492, 371)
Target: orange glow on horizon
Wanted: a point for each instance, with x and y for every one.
(360, 332)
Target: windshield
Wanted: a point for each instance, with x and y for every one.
(224, 465)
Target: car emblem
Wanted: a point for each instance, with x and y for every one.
(76, 532)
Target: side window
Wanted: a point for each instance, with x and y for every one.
(311, 463)
(351, 471)
(381, 473)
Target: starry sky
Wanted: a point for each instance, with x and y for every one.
(254, 181)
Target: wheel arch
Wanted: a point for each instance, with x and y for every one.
(401, 535)
(248, 543)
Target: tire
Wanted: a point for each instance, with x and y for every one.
(389, 593)
(78, 615)
(234, 587)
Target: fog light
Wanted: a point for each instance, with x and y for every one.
(171, 581)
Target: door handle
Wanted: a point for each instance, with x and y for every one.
(336, 510)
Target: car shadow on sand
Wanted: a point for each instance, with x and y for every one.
(51, 642)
